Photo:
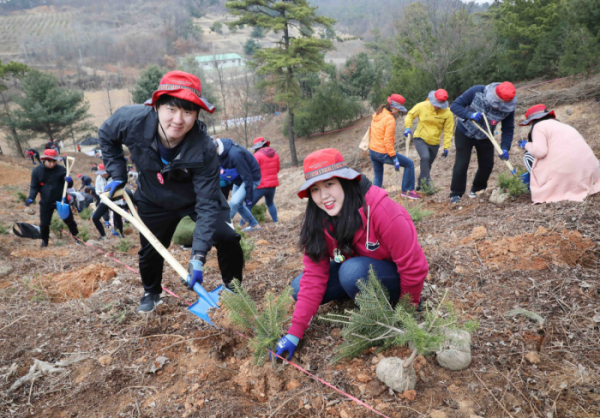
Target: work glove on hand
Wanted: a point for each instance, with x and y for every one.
(287, 344)
(504, 155)
(248, 202)
(396, 164)
(113, 186)
(476, 116)
(522, 143)
(28, 202)
(445, 154)
(195, 270)
(407, 132)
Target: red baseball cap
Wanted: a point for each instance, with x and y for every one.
(323, 165)
(78, 176)
(50, 154)
(506, 91)
(536, 112)
(184, 86)
(260, 142)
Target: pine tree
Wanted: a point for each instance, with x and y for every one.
(147, 83)
(377, 324)
(17, 141)
(267, 325)
(293, 56)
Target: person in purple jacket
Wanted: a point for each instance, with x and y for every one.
(349, 226)
(497, 101)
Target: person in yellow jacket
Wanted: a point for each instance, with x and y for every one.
(434, 119)
(381, 145)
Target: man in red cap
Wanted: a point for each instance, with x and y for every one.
(178, 176)
(435, 119)
(497, 101)
(48, 179)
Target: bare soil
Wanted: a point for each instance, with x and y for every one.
(543, 258)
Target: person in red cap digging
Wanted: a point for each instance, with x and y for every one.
(48, 179)
(381, 145)
(349, 226)
(561, 165)
(434, 119)
(269, 163)
(497, 101)
(178, 176)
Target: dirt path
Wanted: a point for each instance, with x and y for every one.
(543, 258)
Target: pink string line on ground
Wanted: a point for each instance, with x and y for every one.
(347, 395)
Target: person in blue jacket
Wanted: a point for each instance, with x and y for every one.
(497, 101)
(233, 155)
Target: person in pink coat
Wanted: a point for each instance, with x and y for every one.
(268, 160)
(561, 164)
(350, 225)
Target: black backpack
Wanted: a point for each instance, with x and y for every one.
(25, 230)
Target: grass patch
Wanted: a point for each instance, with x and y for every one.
(86, 214)
(4, 229)
(511, 184)
(259, 212)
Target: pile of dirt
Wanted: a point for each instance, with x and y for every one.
(77, 284)
(537, 251)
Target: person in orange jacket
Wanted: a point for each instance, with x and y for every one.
(381, 145)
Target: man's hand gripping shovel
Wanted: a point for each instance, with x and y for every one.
(63, 207)
(490, 135)
(206, 300)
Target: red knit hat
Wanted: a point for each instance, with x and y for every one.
(183, 86)
(50, 154)
(323, 165)
(506, 91)
(536, 112)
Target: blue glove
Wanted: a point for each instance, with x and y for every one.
(287, 344)
(504, 155)
(396, 164)
(195, 270)
(407, 131)
(113, 186)
(476, 116)
(248, 202)
(445, 154)
(522, 143)
(28, 202)
(34, 163)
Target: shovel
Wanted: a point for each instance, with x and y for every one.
(408, 139)
(206, 300)
(63, 208)
(489, 134)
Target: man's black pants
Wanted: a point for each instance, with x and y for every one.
(46, 212)
(485, 159)
(163, 222)
(102, 212)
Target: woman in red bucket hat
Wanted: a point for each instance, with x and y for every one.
(497, 101)
(381, 145)
(561, 165)
(178, 176)
(349, 226)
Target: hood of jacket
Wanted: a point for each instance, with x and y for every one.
(227, 144)
(384, 114)
(269, 152)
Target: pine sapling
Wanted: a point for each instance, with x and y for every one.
(266, 326)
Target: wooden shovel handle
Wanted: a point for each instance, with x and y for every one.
(490, 136)
(139, 225)
(408, 139)
(69, 165)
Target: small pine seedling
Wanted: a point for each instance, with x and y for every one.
(259, 211)
(86, 214)
(417, 213)
(21, 197)
(512, 184)
(4, 229)
(124, 245)
(84, 234)
(266, 326)
(247, 244)
(428, 188)
(57, 225)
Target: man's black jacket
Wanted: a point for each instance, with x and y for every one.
(48, 183)
(192, 178)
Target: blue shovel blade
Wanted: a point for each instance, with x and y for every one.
(63, 210)
(206, 301)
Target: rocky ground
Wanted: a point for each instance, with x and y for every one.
(74, 307)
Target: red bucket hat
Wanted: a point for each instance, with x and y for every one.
(323, 165)
(438, 98)
(184, 86)
(259, 143)
(101, 170)
(397, 101)
(536, 112)
(50, 154)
